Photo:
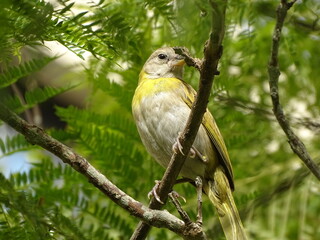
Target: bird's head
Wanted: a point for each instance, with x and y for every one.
(164, 63)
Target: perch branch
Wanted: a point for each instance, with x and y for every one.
(36, 135)
(208, 69)
(273, 69)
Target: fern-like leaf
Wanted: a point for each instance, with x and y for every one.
(14, 144)
(12, 74)
(39, 95)
(34, 97)
(118, 122)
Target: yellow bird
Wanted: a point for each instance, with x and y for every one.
(161, 106)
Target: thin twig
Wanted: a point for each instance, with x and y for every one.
(263, 112)
(208, 69)
(190, 61)
(273, 69)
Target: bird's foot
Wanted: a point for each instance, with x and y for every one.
(177, 147)
(196, 152)
(177, 196)
(174, 198)
(153, 192)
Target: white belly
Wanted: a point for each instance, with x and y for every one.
(159, 123)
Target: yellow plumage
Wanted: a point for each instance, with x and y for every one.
(161, 106)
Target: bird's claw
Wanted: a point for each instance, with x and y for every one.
(177, 147)
(174, 198)
(177, 195)
(153, 192)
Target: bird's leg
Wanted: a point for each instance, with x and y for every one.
(154, 193)
(198, 183)
(174, 198)
(196, 152)
(177, 195)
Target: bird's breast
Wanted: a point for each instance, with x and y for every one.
(152, 87)
(161, 114)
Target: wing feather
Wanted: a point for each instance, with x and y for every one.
(214, 134)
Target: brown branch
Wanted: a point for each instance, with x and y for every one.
(190, 61)
(307, 25)
(208, 69)
(36, 135)
(273, 69)
(262, 111)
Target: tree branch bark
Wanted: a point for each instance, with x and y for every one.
(36, 135)
(273, 69)
(208, 69)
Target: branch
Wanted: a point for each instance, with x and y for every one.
(208, 69)
(263, 111)
(36, 135)
(307, 25)
(273, 69)
(190, 61)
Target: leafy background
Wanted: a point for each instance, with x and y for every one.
(85, 102)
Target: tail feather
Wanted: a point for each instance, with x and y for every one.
(220, 194)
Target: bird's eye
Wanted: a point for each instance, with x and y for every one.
(162, 56)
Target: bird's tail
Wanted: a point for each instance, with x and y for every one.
(220, 194)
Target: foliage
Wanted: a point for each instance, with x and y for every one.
(51, 201)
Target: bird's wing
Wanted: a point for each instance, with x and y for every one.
(214, 134)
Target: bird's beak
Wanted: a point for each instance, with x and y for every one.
(176, 66)
(179, 63)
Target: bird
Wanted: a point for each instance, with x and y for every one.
(161, 106)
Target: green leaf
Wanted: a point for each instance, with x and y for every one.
(39, 95)
(34, 97)
(14, 144)
(67, 8)
(78, 16)
(12, 74)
